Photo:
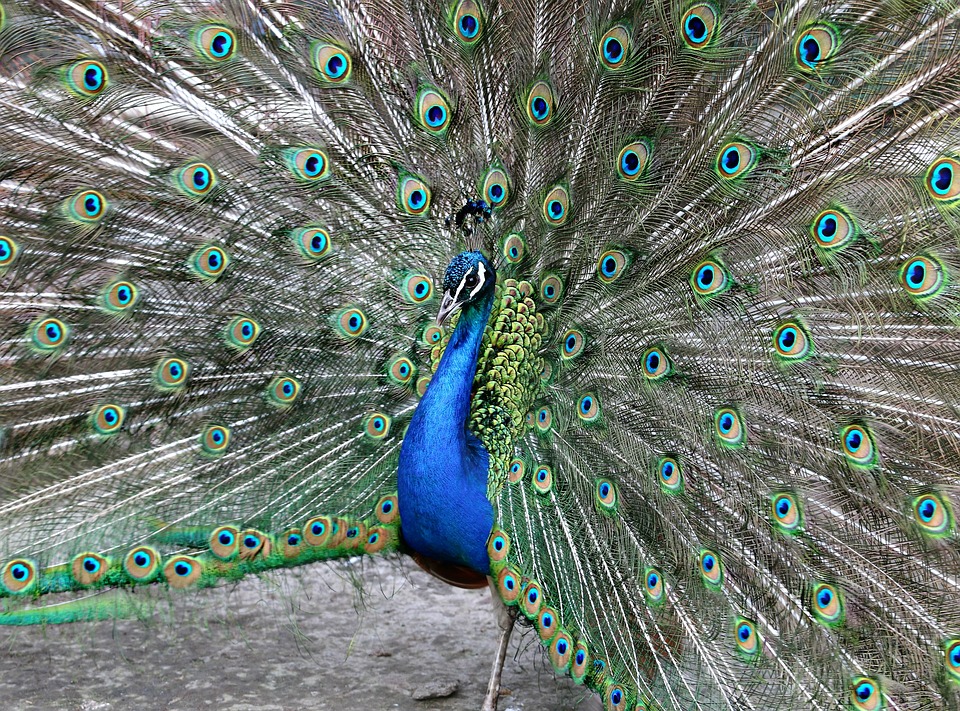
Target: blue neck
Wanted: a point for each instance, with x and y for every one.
(442, 477)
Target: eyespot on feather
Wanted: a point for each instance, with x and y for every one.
(540, 104)
(171, 374)
(633, 160)
(413, 196)
(108, 419)
(401, 370)
(581, 663)
(333, 64)
(119, 297)
(182, 571)
(792, 342)
(292, 545)
(615, 698)
(699, 25)
(611, 265)
(735, 159)
(509, 585)
(377, 426)
(826, 604)
(709, 279)
(551, 289)
(47, 335)
(561, 652)
(196, 179)
(498, 546)
(588, 408)
(312, 241)
(87, 78)
(858, 446)
(9, 250)
(543, 479)
(516, 471)
(467, 22)
(747, 638)
(546, 624)
(215, 439)
(142, 564)
(656, 363)
(216, 43)
(317, 531)
(433, 111)
(386, 509)
(951, 658)
(613, 47)
(711, 569)
(556, 206)
(309, 164)
(19, 576)
(786, 512)
(209, 262)
(531, 600)
(653, 589)
(670, 475)
(543, 419)
(89, 568)
(417, 288)
(922, 277)
(224, 542)
(283, 390)
(432, 335)
(728, 427)
(376, 540)
(815, 46)
(866, 694)
(933, 514)
(514, 247)
(572, 344)
(833, 229)
(942, 180)
(241, 332)
(496, 190)
(352, 322)
(605, 496)
(87, 207)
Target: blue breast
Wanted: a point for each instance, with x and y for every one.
(442, 476)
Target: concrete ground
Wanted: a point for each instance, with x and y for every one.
(288, 641)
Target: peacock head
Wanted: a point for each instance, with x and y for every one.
(469, 278)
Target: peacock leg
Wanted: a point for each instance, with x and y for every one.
(505, 619)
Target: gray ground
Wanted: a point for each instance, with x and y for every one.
(288, 642)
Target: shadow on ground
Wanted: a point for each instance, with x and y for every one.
(288, 641)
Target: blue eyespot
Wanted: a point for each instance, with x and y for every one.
(652, 580)
(293, 540)
(317, 529)
(336, 65)
(225, 538)
(91, 565)
(709, 562)
(561, 646)
(141, 559)
(726, 422)
(533, 596)
(92, 77)
(182, 568)
(581, 656)
(612, 50)
(19, 571)
(251, 541)
(221, 44)
(540, 108)
(555, 208)
(386, 507)
(469, 26)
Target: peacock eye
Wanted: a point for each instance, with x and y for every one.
(471, 280)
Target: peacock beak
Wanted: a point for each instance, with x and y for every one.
(448, 305)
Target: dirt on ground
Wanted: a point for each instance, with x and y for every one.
(306, 640)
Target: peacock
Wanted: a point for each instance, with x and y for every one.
(644, 315)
